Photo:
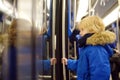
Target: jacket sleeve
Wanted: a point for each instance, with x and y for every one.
(46, 65)
(82, 70)
(72, 64)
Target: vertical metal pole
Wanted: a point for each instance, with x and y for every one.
(75, 54)
(3, 24)
(46, 27)
(89, 7)
(74, 27)
(53, 35)
(68, 57)
(74, 15)
(33, 39)
(45, 14)
(47, 50)
(14, 9)
(63, 38)
(117, 29)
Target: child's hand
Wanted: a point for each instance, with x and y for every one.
(53, 61)
(64, 61)
(117, 51)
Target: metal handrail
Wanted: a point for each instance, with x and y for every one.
(74, 15)
(75, 53)
(45, 76)
(53, 35)
(117, 29)
(63, 37)
(48, 50)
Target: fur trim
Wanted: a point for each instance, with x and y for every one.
(101, 38)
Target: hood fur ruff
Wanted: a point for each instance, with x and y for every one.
(101, 38)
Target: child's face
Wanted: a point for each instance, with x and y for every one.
(83, 32)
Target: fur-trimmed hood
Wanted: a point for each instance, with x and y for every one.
(101, 38)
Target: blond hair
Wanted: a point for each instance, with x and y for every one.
(93, 24)
(18, 27)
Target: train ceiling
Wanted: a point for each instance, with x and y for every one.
(102, 8)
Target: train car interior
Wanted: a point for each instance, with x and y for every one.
(35, 35)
